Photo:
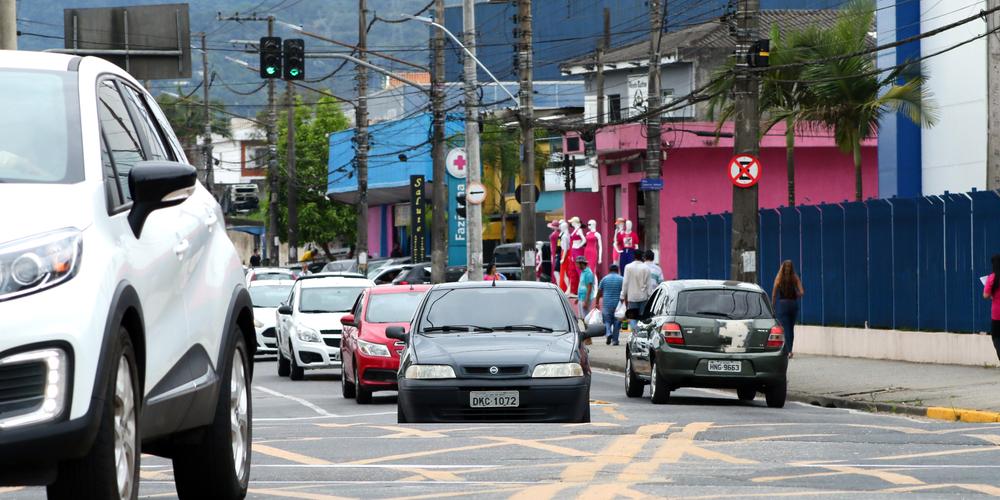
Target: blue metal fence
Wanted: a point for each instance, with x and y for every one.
(909, 264)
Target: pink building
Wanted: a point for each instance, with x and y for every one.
(696, 179)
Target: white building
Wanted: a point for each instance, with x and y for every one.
(239, 159)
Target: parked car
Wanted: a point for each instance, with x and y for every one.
(345, 265)
(126, 323)
(267, 295)
(499, 351)
(386, 274)
(370, 358)
(700, 333)
(270, 273)
(507, 258)
(376, 265)
(241, 198)
(309, 329)
(421, 274)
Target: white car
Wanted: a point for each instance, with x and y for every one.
(309, 329)
(126, 324)
(267, 295)
(270, 273)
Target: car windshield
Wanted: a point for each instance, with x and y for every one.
(506, 257)
(392, 307)
(339, 266)
(328, 299)
(723, 303)
(273, 276)
(269, 296)
(40, 132)
(495, 308)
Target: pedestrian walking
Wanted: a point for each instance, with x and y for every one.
(585, 289)
(492, 274)
(255, 259)
(992, 292)
(610, 289)
(635, 289)
(655, 273)
(785, 298)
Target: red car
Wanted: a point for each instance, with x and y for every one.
(370, 359)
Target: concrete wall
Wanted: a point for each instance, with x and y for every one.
(958, 85)
(916, 347)
(243, 243)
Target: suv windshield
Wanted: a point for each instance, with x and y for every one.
(722, 303)
(269, 296)
(392, 307)
(506, 257)
(328, 300)
(495, 308)
(40, 131)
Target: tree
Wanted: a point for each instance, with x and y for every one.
(851, 94)
(501, 151)
(186, 115)
(321, 220)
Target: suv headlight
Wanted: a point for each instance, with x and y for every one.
(373, 349)
(307, 335)
(38, 262)
(557, 370)
(429, 371)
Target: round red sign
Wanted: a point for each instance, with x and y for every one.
(744, 170)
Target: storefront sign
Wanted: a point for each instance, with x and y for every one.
(418, 222)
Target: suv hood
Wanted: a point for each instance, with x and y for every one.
(45, 207)
(517, 348)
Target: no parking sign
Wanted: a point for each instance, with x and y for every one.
(744, 170)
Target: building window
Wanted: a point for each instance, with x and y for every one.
(572, 144)
(614, 107)
(665, 100)
(615, 169)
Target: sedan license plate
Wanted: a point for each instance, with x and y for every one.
(494, 399)
(725, 366)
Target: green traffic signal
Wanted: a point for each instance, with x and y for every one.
(271, 70)
(293, 72)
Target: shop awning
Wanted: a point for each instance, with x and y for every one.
(549, 201)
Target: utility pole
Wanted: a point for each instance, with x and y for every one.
(743, 265)
(993, 102)
(602, 45)
(439, 198)
(361, 136)
(272, 163)
(653, 154)
(475, 214)
(207, 140)
(8, 25)
(293, 178)
(526, 115)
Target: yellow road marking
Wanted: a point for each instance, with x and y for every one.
(620, 451)
(538, 445)
(291, 456)
(610, 490)
(434, 475)
(676, 446)
(338, 426)
(411, 432)
(457, 494)
(991, 438)
(980, 488)
(293, 494)
(769, 438)
(610, 410)
(915, 430)
(416, 454)
(155, 475)
(769, 479)
(770, 494)
(885, 475)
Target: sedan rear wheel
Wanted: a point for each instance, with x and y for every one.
(658, 392)
(633, 386)
(776, 394)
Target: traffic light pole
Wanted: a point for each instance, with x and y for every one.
(361, 136)
(526, 116)
(272, 164)
(743, 265)
(293, 179)
(474, 223)
(439, 197)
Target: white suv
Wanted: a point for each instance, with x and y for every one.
(125, 324)
(309, 329)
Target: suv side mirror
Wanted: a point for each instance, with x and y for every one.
(396, 332)
(155, 185)
(285, 310)
(348, 320)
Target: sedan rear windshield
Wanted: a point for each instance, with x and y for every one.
(269, 296)
(723, 303)
(392, 307)
(495, 308)
(40, 131)
(328, 300)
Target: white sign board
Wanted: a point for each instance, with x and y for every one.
(476, 193)
(638, 87)
(457, 163)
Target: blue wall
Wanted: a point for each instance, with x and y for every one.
(387, 140)
(565, 29)
(899, 156)
(901, 263)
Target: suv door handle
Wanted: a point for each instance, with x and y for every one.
(181, 248)
(211, 219)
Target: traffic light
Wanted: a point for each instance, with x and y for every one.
(759, 54)
(294, 59)
(460, 206)
(270, 57)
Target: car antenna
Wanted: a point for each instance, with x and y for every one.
(411, 287)
(494, 283)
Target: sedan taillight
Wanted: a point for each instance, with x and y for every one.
(671, 333)
(776, 337)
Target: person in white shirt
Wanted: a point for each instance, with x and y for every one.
(655, 273)
(635, 288)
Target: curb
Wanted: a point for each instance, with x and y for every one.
(934, 412)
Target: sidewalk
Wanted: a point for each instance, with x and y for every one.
(948, 392)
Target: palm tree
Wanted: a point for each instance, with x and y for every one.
(850, 94)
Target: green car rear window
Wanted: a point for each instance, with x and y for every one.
(723, 303)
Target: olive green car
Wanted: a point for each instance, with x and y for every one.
(701, 333)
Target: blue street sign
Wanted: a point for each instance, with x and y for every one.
(456, 225)
(648, 184)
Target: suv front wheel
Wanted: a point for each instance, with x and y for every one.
(219, 466)
(111, 468)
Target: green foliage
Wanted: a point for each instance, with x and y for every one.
(187, 116)
(320, 220)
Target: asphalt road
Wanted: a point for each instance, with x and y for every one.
(309, 443)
